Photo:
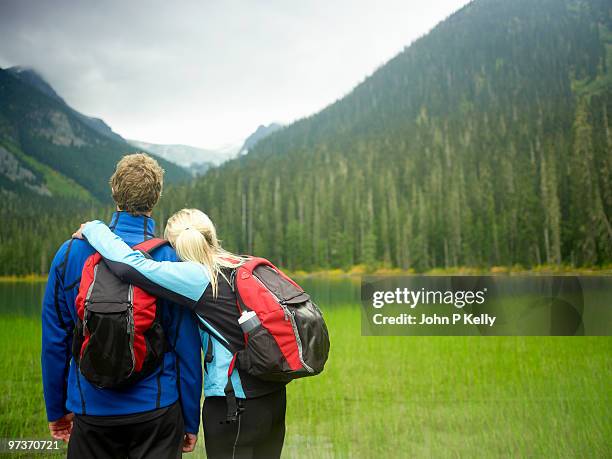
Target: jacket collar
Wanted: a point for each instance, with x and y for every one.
(126, 223)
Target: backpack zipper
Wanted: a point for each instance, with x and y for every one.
(291, 316)
(131, 327)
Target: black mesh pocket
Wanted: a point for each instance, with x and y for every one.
(156, 347)
(108, 358)
(262, 357)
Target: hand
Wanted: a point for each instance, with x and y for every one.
(189, 442)
(62, 428)
(78, 234)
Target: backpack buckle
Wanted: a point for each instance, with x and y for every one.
(235, 406)
(234, 411)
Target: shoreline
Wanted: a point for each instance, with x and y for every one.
(24, 278)
(359, 271)
(457, 271)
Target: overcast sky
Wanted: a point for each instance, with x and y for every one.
(207, 73)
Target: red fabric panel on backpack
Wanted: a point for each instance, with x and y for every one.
(253, 262)
(145, 306)
(85, 343)
(257, 297)
(282, 331)
(150, 244)
(87, 276)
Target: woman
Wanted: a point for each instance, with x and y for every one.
(203, 283)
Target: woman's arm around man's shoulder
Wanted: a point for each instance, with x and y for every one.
(180, 282)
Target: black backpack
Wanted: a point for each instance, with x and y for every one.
(118, 338)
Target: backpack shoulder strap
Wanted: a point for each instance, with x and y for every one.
(150, 244)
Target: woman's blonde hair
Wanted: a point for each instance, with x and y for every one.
(194, 237)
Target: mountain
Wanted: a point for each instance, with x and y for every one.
(486, 142)
(196, 160)
(260, 133)
(34, 79)
(47, 147)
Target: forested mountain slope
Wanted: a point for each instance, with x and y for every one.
(485, 142)
(54, 169)
(43, 135)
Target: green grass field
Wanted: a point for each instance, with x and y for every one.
(402, 396)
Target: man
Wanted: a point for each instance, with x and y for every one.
(153, 417)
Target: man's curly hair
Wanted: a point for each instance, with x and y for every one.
(137, 183)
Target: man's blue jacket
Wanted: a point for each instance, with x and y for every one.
(66, 390)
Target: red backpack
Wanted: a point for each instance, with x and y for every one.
(284, 331)
(118, 338)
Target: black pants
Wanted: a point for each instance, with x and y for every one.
(156, 434)
(258, 433)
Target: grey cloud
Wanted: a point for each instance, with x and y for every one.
(207, 72)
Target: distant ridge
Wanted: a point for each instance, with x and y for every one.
(260, 133)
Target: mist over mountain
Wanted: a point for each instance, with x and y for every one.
(486, 142)
(199, 160)
(34, 79)
(195, 160)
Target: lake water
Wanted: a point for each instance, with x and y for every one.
(519, 308)
(25, 298)
(440, 382)
(21, 298)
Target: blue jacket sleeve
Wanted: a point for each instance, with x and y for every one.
(189, 368)
(57, 326)
(181, 282)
